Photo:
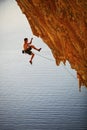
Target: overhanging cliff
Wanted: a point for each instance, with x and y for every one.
(62, 24)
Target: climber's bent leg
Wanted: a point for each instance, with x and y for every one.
(32, 56)
(32, 46)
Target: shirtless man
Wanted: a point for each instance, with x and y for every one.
(28, 47)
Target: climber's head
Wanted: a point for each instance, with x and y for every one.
(25, 39)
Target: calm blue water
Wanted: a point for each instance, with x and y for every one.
(39, 97)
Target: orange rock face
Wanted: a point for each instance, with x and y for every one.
(62, 24)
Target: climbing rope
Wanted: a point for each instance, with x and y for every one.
(44, 57)
(62, 64)
(69, 72)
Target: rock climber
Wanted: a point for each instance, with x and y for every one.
(28, 47)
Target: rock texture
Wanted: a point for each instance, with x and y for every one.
(62, 24)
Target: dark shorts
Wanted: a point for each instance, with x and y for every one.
(28, 51)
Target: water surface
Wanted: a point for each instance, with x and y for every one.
(39, 97)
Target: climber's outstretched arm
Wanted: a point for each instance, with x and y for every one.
(31, 41)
